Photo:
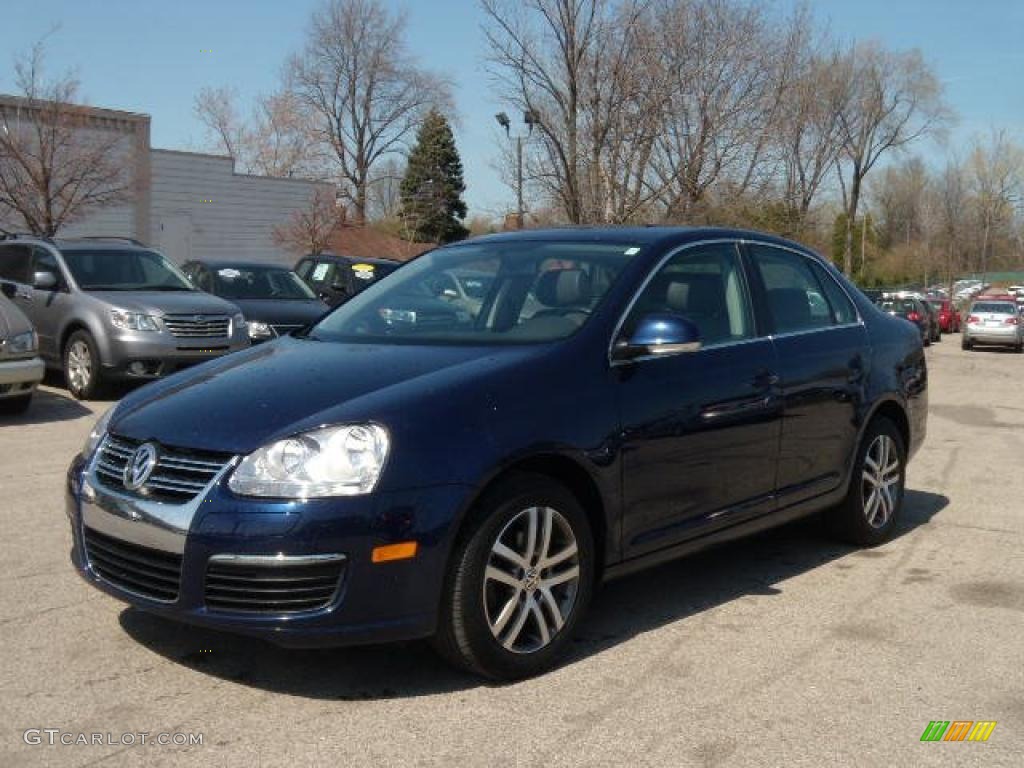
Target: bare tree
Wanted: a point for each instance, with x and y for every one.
(364, 91)
(726, 73)
(310, 230)
(892, 99)
(56, 162)
(383, 198)
(275, 141)
(995, 176)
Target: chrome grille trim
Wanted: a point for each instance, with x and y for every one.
(273, 584)
(187, 327)
(179, 475)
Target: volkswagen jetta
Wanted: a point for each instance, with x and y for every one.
(414, 467)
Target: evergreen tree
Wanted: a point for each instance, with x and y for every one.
(431, 191)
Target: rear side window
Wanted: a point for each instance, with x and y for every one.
(705, 285)
(796, 299)
(14, 263)
(842, 308)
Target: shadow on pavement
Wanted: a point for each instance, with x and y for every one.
(623, 608)
(47, 407)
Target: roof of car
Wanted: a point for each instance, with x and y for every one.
(351, 259)
(236, 264)
(639, 235)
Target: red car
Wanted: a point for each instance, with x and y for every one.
(949, 318)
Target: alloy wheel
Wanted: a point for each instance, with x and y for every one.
(531, 580)
(881, 481)
(79, 366)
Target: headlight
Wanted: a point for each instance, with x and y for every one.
(238, 321)
(23, 343)
(133, 321)
(259, 331)
(99, 431)
(331, 461)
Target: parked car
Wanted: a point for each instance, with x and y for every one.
(912, 310)
(336, 279)
(108, 309)
(273, 299)
(21, 368)
(949, 317)
(934, 325)
(993, 322)
(621, 397)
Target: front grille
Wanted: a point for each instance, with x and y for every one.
(189, 327)
(271, 585)
(148, 572)
(179, 475)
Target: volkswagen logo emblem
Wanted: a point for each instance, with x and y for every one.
(140, 466)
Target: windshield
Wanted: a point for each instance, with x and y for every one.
(260, 283)
(124, 270)
(488, 293)
(899, 305)
(995, 307)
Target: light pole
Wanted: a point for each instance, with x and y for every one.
(529, 119)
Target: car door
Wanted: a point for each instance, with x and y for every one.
(48, 307)
(822, 349)
(16, 267)
(700, 430)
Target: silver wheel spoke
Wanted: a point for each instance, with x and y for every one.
(561, 578)
(545, 534)
(542, 622)
(561, 557)
(513, 557)
(869, 478)
(552, 604)
(517, 626)
(496, 574)
(531, 535)
(506, 613)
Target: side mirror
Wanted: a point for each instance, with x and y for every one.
(44, 281)
(657, 335)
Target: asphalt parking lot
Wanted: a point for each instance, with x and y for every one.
(785, 649)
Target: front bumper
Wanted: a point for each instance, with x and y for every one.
(154, 354)
(20, 377)
(374, 602)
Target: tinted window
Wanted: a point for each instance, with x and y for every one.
(323, 273)
(842, 308)
(994, 306)
(259, 283)
(14, 263)
(302, 270)
(537, 291)
(795, 297)
(124, 270)
(705, 285)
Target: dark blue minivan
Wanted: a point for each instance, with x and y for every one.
(468, 465)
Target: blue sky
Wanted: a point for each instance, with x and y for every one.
(146, 56)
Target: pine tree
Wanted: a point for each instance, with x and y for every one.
(431, 191)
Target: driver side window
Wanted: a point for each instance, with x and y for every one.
(705, 285)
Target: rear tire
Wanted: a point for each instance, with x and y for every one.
(966, 343)
(83, 371)
(874, 500)
(509, 608)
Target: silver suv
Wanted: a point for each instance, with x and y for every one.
(109, 309)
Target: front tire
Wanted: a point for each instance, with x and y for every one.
(868, 514)
(82, 368)
(520, 580)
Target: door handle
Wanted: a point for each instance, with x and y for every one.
(764, 379)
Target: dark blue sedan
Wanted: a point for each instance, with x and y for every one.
(420, 465)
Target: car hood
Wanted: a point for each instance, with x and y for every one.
(166, 302)
(244, 400)
(276, 311)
